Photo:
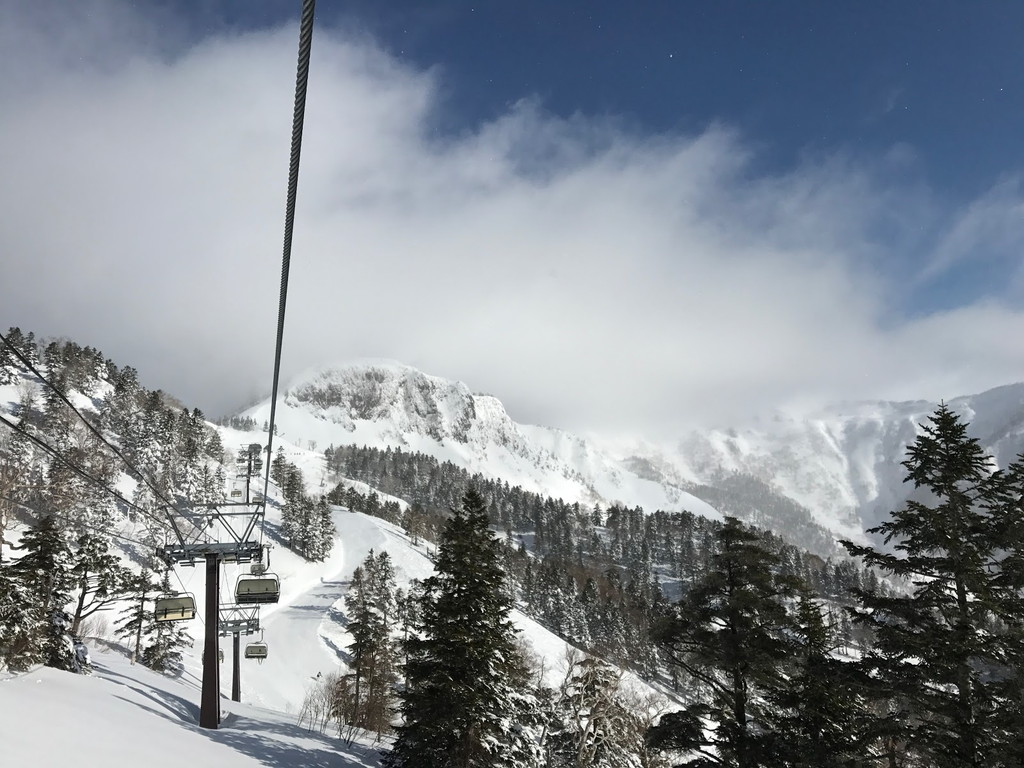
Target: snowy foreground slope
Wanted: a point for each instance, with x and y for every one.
(126, 716)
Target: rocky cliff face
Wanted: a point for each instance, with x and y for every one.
(810, 478)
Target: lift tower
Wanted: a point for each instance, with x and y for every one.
(242, 524)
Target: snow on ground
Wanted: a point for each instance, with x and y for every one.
(124, 716)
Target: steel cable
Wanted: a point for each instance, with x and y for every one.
(298, 119)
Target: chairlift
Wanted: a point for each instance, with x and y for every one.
(180, 606)
(236, 493)
(257, 650)
(257, 588)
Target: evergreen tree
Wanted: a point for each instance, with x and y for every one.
(731, 634)
(44, 570)
(139, 590)
(323, 530)
(163, 641)
(944, 650)
(8, 367)
(99, 578)
(370, 604)
(20, 621)
(819, 708)
(464, 707)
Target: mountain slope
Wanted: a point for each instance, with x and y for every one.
(383, 403)
(811, 477)
(844, 463)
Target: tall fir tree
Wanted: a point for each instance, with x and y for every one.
(818, 709)
(163, 641)
(20, 640)
(731, 634)
(45, 571)
(370, 605)
(464, 705)
(944, 650)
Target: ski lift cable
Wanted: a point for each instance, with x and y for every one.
(76, 521)
(105, 531)
(78, 470)
(117, 451)
(298, 118)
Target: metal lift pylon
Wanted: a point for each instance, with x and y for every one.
(244, 546)
(238, 620)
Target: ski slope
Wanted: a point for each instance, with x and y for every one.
(126, 716)
(307, 635)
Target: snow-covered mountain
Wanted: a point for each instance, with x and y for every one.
(810, 477)
(384, 403)
(844, 463)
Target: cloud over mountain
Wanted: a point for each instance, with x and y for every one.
(595, 275)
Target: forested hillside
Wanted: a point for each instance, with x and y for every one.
(772, 655)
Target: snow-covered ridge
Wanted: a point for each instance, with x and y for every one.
(844, 463)
(384, 403)
(841, 465)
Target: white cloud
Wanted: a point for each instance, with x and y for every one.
(589, 276)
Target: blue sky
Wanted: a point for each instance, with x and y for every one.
(941, 83)
(710, 208)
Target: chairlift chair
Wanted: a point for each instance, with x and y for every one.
(257, 651)
(256, 589)
(180, 606)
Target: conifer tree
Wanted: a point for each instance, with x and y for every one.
(464, 706)
(7, 365)
(591, 726)
(44, 570)
(370, 604)
(99, 578)
(945, 650)
(163, 641)
(731, 635)
(20, 641)
(818, 710)
(139, 590)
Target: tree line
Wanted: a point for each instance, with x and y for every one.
(753, 650)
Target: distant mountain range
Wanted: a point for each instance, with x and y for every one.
(811, 478)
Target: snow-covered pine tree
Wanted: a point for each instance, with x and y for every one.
(370, 605)
(946, 650)
(731, 635)
(8, 365)
(44, 570)
(324, 531)
(819, 708)
(134, 618)
(99, 578)
(590, 725)
(20, 641)
(464, 706)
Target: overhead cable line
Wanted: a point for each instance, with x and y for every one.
(75, 521)
(84, 474)
(117, 451)
(298, 118)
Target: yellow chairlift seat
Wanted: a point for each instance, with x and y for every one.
(257, 589)
(256, 651)
(175, 607)
(236, 493)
